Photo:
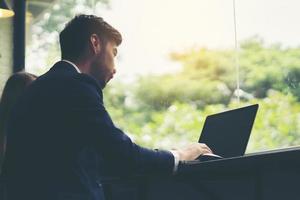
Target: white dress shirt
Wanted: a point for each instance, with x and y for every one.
(77, 69)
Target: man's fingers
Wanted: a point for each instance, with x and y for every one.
(205, 147)
(193, 151)
(207, 151)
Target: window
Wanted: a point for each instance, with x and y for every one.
(177, 65)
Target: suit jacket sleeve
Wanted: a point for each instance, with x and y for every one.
(115, 147)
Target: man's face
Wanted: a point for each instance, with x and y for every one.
(103, 66)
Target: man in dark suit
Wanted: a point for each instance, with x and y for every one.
(61, 140)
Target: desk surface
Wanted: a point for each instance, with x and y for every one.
(260, 176)
(285, 159)
(288, 157)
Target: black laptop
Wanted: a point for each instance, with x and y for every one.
(227, 133)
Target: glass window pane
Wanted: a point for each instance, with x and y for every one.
(176, 64)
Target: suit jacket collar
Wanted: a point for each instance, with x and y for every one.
(64, 66)
(73, 64)
(69, 68)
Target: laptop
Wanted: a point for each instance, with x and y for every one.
(227, 133)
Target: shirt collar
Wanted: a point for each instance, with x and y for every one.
(77, 69)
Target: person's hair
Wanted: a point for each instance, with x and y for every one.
(75, 36)
(13, 89)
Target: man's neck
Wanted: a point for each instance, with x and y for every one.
(81, 66)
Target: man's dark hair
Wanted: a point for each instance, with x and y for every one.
(76, 34)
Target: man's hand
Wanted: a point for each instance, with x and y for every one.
(192, 151)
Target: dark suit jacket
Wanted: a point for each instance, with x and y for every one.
(61, 141)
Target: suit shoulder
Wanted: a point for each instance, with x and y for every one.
(66, 84)
(85, 82)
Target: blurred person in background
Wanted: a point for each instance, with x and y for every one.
(13, 89)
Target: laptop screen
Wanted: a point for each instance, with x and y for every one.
(227, 133)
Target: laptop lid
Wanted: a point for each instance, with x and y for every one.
(227, 133)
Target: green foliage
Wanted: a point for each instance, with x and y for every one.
(277, 122)
(204, 72)
(267, 67)
(169, 110)
(45, 46)
(65, 10)
(208, 76)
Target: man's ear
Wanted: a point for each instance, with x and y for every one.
(95, 44)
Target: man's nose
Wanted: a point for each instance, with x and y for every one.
(114, 71)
